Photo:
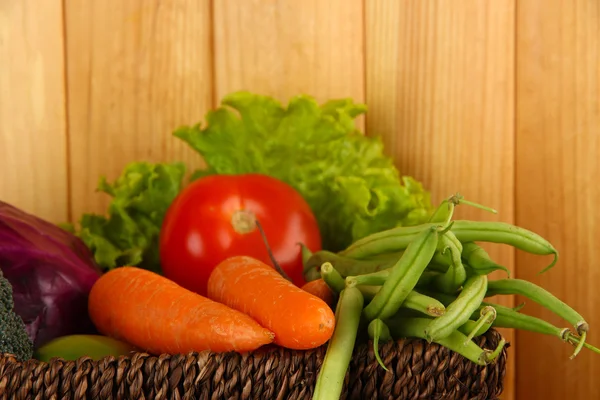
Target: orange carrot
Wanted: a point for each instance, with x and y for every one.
(299, 319)
(159, 316)
(319, 288)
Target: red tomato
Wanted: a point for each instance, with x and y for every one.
(214, 217)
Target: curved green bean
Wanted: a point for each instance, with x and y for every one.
(509, 318)
(378, 330)
(330, 379)
(397, 239)
(504, 233)
(454, 278)
(539, 295)
(460, 310)
(481, 326)
(403, 276)
(479, 260)
(415, 327)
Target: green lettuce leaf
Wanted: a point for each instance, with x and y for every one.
(353, 188)
(140, 197)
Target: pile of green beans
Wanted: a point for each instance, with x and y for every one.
(430, 282)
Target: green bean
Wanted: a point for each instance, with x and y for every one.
(460, 310)
(424, 304)
(509, 318)
(414, 301)
(388, 241)
(379, 278)
(374, 278)
(312, 274)
(332, 277)
(439, 263)
(349, 266)
(446, 208)
(378, 330)
(481, 326)
(396, 239)
(453, 279)
(305, 252)
(330, 379)
(504, 233)
(479, 260)
(444, 211)
(427, 278)
(415, 328)
(540, 296)
(404, 275)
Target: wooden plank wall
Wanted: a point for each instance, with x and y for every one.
(498, 100)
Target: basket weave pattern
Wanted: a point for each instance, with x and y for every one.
(417, 370)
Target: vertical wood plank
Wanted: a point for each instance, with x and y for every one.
(557, 194)
(287, 47)
(136, 71)
(33, 165)
(440, 90)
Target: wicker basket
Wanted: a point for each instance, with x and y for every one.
(417, 370)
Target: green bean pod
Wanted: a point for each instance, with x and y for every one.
(460, 310)
(415, 328)
(332, 277)
(479, 327)
(330, 380)
(539, 295)
(424, 304)
(388, 241)
(415, 301)
(397, 239)
(378, 330)
(456, 275)
(374, 278)
(504, 233)
(443, 212)
(349, 266)
(509, 318)
(378, 278)
(479, 260)
(403, 276)
(427, 278)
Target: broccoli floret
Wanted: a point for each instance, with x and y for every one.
(13, 336)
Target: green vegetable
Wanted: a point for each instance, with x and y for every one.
(140, 199)
(330, 380)
(353, 188)
(13, 336)
(403, 276)
(73, 347)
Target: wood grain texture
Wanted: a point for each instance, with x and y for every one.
(33, 165)
(557, 194)
(136, 71)
(288, 47)
(440, 91)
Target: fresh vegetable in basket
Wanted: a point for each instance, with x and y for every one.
(215, 218)
(13, 336)
(352, 187)
(462, 314)
(51, 272)
(158, 316)
(74, 347)
(298, 319)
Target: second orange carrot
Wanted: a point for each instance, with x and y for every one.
(298, 319)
